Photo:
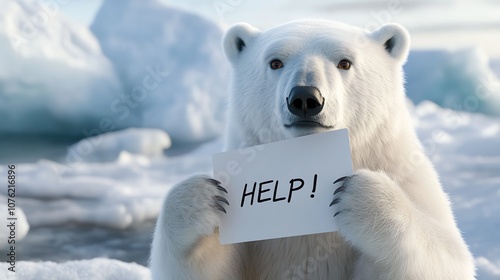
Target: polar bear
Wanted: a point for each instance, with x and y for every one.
(304, 77)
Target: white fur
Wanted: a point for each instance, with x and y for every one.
(395, 220)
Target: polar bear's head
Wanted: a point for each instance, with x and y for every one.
(306, 77)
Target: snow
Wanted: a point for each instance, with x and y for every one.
(52, 73)
(87, 194)
(186, 95)
(461, 80)
(116, 194)
(465, 149)
(95, 269)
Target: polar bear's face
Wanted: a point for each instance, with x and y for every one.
(311, 76)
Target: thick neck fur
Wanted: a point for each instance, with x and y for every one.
(389, 143)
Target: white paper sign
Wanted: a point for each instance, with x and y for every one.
(282, 189)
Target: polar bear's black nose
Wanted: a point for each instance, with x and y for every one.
(305, 101)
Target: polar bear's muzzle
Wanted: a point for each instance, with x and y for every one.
(305, 101)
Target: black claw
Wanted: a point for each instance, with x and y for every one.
(222, 189)
(335, 201)
(219, 207)
(221, 199)
(334, 215)
(339, 189)
(213, 181)
(340, 179)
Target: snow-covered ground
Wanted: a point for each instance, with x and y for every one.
(465, 149)
(95, 269)
(93, 201)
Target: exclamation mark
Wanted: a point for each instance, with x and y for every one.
(314, 185)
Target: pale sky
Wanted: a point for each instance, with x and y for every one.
(450, 24)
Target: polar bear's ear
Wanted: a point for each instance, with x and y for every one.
(237, 39)
(395, 39)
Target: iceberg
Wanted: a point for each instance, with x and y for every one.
(54, 79)
(149, 142)
(171, 65)
(461, 80)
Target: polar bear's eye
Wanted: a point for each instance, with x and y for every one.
(344, 64)
(276, 64)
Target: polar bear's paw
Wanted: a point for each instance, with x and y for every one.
(194, 206)
(371, 210)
